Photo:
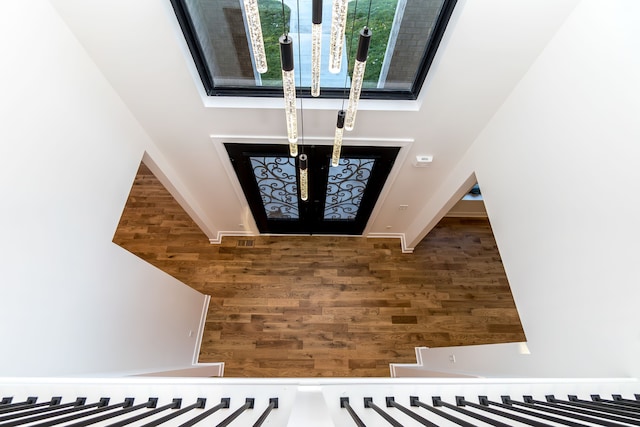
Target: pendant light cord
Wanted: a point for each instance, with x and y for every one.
(369, 14)
(284, 21)
(353, 27)
(300, 76)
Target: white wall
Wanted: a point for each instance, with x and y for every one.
(558, 168)
(72, 302)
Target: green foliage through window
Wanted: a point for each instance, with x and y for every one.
(380, 23)
(214, 32)
(272, 29)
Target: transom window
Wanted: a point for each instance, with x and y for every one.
(406, 35)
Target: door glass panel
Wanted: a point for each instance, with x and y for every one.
(345, 186)
(276, 179)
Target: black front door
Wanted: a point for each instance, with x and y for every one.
(340, 198)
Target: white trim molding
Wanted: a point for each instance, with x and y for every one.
(201, 326)
(415, 370)
(196, 369)
(401, 236)
(222, 234)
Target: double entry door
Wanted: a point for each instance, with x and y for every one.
(340, 199)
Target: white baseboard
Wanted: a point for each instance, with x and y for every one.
(198, 370)
(418, 370)
(200, 334)
(418, 364)
(222, 234)
(401, 236)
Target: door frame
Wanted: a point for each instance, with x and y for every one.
(250, 226)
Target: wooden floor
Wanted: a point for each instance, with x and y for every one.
(326, 306)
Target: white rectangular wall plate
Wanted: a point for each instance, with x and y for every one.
(422, 161)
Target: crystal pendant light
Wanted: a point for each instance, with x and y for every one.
(304, 177)
(255, 34)
(358, 77)
(338, 24)
(289, 87)
(337, 140)
(316, 47)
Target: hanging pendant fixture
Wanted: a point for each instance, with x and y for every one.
(357, 77)
(304, 177)
(316, 47)
(255, 35)
(337, 140)
(338, 25)
(289, 88)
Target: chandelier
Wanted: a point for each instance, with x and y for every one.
(346, 118)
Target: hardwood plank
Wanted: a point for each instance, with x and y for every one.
(404, 320)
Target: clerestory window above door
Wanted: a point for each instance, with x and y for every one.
(341, 198)
(406, 36)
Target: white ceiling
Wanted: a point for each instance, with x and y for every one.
(488, 47)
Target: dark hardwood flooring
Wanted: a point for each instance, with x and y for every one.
(326, 306)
